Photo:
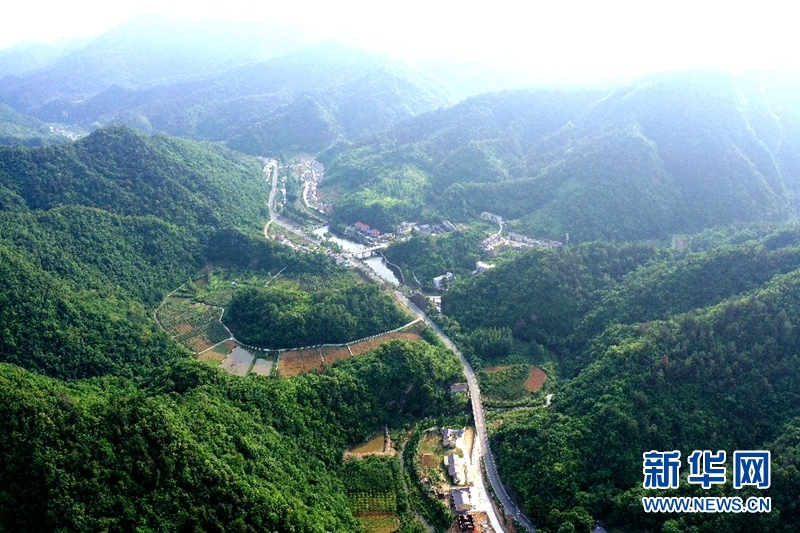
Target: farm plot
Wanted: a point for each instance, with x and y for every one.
(294, 362)
(195, 326)
(373, 502)
(238, 362)
(378, 522)
(536, 379)
(370, 344)
(290, 363)
(218, 354)
(312, 360)
(331, 354)
(372, 486)
(263, 367)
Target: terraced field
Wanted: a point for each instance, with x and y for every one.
(194, 325)
(294, 362)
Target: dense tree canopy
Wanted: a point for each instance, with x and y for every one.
(284, 316)
(185, 447)
(670, 350)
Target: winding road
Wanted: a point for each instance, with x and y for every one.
(271, 170)
(481, 449)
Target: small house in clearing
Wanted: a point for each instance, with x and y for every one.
(450, 437)
(456, 467)
(462, 500)
(459, 387)
(442, 282)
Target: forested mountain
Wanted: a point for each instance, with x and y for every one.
(656, 350)
(185, 448)
(97, 231)
(670, 153)
(106, 422)
(257, 88)
(284, 316)
(138, 53)
(19, 129)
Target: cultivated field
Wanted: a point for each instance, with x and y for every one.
(218, 354)
(331, 354)
(263, 367)
(535, 379)
(294, 362)
(373, 502)
(365, 346)
(195, 326)
(238, 362)
(378, 522)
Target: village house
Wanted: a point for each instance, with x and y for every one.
(494, 218)
(451, 437)
(459, 387)
(442, 282)
(462, 500)
(405, 227)
(481, 267)
(466, 524)
(456, 467)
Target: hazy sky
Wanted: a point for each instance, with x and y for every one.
(555, 39)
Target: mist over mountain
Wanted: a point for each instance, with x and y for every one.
(140, 52)
(263, 88)
(130, 197)
(675, 152)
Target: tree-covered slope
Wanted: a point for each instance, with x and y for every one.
(652, 349)
(719, 378)
(25, 130)
(188, 448)
(137, 53)
(670, 153)
(128, 173)
(94, 234)
(105, 422)
(303, 100)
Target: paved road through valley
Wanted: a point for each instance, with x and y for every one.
(481, 446)
(480, 425)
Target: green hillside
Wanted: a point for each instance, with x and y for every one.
(108, 424)
(671, 153)
(185, 447)
(305, 99)
(141, 52)
(19, 129)
(96, 232)
(647, 349)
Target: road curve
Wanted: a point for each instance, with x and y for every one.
(480, 422)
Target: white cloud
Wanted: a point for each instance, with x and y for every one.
(553, 39)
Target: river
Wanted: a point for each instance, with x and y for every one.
(376, 263)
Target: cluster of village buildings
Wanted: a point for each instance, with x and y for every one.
(512, 240)
(457, 466)
(372, 235)
(516, 240)
(281, 238)
(311, 173)
(497, 219)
